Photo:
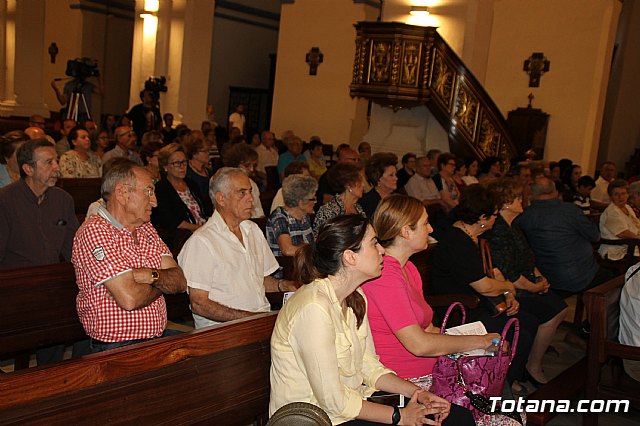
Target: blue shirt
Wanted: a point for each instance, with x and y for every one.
(561, 238)
(281, 222)
(5, 179)
(286, 158)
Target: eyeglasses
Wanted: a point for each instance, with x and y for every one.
(308, 200)
(149, 191)
(131, 133)
(178, 163)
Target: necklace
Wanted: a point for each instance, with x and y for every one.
(463, 226)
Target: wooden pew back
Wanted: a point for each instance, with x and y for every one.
(218, 375)
(83, 191)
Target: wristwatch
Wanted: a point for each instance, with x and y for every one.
(395, 418)
(155, 276)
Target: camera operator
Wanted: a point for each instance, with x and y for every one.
(85, 81)
(146, 115)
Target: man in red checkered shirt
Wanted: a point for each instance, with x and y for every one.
(122, 266)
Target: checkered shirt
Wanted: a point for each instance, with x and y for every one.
(103, 249)
(281, 222)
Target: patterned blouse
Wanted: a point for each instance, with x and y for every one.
(72, 166)
(193, 206)
(333, 208)
(283, 223)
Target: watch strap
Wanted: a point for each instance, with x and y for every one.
(395, 418)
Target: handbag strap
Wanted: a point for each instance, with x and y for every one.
(513, 322)
(485, 252)
(449, 310)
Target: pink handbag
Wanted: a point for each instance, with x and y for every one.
(469, 381)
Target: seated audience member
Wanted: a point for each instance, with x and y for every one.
(80, 162)
(95, 206)
(245, 158)
(561, 238)
(228, 262)
(197, 149)
(460, 172)
(149, 152)
(336, 366)
(472, 171)
(100, 143)
(570, 182)
(634, 197)
(63, 145)
(433, 155)
(254, 139)
(289, 226)
(293, 153)
(582, 195)
(600, 196)
(381, 173)
(490, 168)
(345, 155)
(522, 174)
(458, 268)
(109, 124)
(9, 144)
(35, 133)
(347, 184)
(629, 320)
(408, 169)
(122, 266)
(37, 219)
(168, 132)
(421, 185)
(125, 146)
(317, 166)
(364, 151)
(267, 152)
(512, 255)
(618, 221)
(294, 168)
(444, 180)
(178, 198)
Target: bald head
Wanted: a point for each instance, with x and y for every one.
(543, 188)
(34, 132)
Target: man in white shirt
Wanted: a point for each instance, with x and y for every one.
(267, 152)
(227, 261)
(599, 195)
(421, 185)
(629, 320)
(237, 119)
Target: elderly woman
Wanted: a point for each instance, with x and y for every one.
(294, 168)
(197, 149)
(179, 205)
(458, 267)
(618, 221)
(381, 174)
(289, 227)
(9, 144)
(403, 333)
(242, 156)
(634, 197)
(512, 255)
(491, 168)
(472, 171)
(444, 180)
(80, 161)
(335, 366)
(346, 182)
(317, 166)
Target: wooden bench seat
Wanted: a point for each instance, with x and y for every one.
(218, 375)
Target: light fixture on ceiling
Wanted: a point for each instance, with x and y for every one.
(419, 11)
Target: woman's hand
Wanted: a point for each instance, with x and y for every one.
(416, 411)
(497, 274)
(435, 405)
(513, 306)
(487, 340)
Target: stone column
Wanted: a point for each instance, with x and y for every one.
(22, 56)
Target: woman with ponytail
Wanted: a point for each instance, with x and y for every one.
(321, 348)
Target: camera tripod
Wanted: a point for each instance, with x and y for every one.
(74, 103)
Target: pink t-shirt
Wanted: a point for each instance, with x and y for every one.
(394, 304)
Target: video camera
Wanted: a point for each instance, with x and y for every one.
(156, 84)
(82, 68)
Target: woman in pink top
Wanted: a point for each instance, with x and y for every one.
(404, 337)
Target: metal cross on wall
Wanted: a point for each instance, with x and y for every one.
(536, 65)
(314, 58)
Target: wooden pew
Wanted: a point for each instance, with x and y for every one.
(603, 304)
(38, 310)
(218, 375)
(83, 191)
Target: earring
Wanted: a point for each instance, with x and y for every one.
(482, 225)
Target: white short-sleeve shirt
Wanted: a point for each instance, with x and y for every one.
(214, 260)
(612, 222)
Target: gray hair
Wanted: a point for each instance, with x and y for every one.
(121, 172)
(296, 188)
(634, 188)
(221, 181)
(542, 185)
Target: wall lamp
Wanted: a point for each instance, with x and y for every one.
(419, 11)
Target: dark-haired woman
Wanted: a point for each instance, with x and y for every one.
(80, 161)
(321, 348)
(458, 268)
(346, 182)
(381, 173)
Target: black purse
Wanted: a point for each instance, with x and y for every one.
(496, 304)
